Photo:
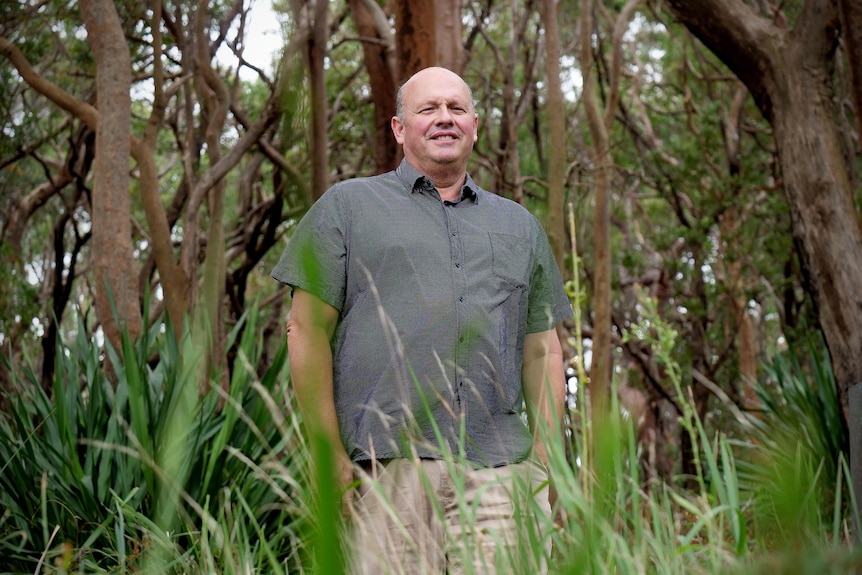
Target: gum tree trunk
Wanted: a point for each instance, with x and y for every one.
(114, 271)
(371, 22)
(428, 34)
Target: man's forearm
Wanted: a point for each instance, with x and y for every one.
(311, 374)
(544, 385)
(309, 329)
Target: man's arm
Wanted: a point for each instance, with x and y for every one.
(309, 330)
(544, 384)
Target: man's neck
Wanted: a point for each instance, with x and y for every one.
(448, 186)
(450, 193)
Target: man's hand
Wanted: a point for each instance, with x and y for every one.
(345, 482)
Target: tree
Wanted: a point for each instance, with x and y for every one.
(601, 371)
(673, 201)
(223, 166)
(112, 256)
(113, 264)
(419, 44)
(314, 27)
(851, 32)
(378, 49)
(788, 71)
(557, 138)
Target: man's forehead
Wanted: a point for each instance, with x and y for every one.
(440, 98)
(437, 93)
(436, 80)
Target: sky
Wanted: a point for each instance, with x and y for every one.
(263, 38)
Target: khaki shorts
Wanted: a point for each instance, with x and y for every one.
(425, 516)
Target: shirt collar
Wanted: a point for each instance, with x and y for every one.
(414, 181)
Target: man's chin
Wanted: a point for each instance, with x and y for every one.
(443, 159)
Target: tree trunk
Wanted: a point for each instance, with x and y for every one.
(449, 47)
(317, 81)
(790, 76)
(379, 59)
(507, 158)
(419, 44)
(600, 371)
(174, 279)
(824, 220)
(215, 95)
(61, 287)
(851, 32)
(602, 364)
(733, 256)
(557, 127)
(114, 273)
(414, 42)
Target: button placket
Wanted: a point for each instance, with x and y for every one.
(459, 286)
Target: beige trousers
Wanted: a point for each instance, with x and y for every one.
(424, 516)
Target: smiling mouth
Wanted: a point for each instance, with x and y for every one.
(445, 138)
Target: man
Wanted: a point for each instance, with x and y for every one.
(423, 319)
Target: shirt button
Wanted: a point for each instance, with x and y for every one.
(457, 265)
(461, 298)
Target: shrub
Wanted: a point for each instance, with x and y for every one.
(145, 472)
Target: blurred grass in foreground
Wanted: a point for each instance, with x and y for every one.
(151, 476)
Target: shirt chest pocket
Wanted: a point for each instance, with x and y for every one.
(510, 259)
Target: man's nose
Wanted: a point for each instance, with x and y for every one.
(443, 115)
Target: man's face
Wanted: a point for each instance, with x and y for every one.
(438, 126)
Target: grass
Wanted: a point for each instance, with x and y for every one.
(149, 476)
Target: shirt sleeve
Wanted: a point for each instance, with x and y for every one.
(548, 302)
(316, 253)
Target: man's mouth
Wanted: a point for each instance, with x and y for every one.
(443, 138)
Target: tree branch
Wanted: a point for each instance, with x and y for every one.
(80, 109)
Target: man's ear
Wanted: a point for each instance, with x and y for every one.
(397, 129)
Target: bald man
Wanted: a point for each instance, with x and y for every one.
(421, 333)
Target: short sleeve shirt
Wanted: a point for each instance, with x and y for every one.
(435, 299)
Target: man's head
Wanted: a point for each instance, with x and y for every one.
(436, 122)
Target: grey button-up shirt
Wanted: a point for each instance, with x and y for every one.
(434, 301)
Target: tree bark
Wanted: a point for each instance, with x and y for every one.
(733, 257)
(557, 137)
(317, 81)
(378, 48)
(851, 32)
(173, 278)
(80, 109)
(789, 73)
(115, 276)
(600, 371)
(449, 48)
(216, 97)
(428, 34)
